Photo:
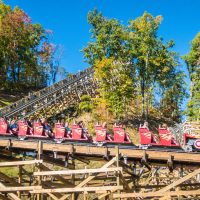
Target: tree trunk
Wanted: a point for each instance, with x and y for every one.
(147, 106)
(143, 98)
(147, 86)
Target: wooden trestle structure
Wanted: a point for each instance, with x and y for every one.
(47, 170)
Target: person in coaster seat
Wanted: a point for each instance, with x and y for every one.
(47, 128)
(127, 137)
(85, 131)
(30, 125)
(68, 130)
(108, 135)
(165, 126)
(145, 125)
(13, 127)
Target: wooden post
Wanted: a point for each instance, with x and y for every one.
(19, 179)
(39, 157)
(73, 176)
(117, 163)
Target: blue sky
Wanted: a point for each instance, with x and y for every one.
(68, 20)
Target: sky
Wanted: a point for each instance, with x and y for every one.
(68, 21)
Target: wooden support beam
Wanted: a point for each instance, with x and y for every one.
(84, 160)
(3, 197)
(127, 169)
(144, 161)
(18, 163)
(8, 179)
(20, 188)
(39, 149)
(157, 194)
(170, 163)
(156, 156)
(79, 171)
(13, 196)
(52, 160)
(77, 189)
(179, 181)
(117, 164)
(90, 177)
(60, 178)
(104, 195)
(53, 196)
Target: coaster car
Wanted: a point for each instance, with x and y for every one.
(77, 133)
(101, 134)
(120, 136)
(23, 130)
(166, 138)
(146, 137)
(38, 131)
(4, 127)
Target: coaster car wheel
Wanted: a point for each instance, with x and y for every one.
(187, 148)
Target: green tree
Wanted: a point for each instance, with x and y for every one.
(115, 85)
(192, 60)
(155, 63)
(109, 53)
(131, 60)
(86, 104)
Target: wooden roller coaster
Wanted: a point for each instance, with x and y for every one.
(44, 169)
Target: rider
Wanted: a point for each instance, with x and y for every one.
(13, 127)
(85, 131)
(108, 136)
(67, 129)
(47, 128)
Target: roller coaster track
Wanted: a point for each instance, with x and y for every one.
(155, 155)
(71, 88)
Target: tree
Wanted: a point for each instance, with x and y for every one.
(192, 60)
(86, 104)
(131, 60)
(109, 53)
(22, 50)
(155, 63)
(115, 85)
(173, 97)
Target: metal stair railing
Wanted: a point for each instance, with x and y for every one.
(28, 101)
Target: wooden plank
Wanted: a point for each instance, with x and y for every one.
(8, 179)
(52, 196)
(90, 177)
(60, 178)
(13, 196)
(179, 181)
(187, 158)
(18, 163)
(78, 171)
(77, 189)
(2, 196)
(156, 194)
(20, 188)
(104, 195)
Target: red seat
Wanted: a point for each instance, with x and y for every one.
(166, 138)
(59, 131)
(23, 128)
(38, 130)
(3, 127)
(100, 133)
(77, 132)
(120, 135)
(146, 136)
